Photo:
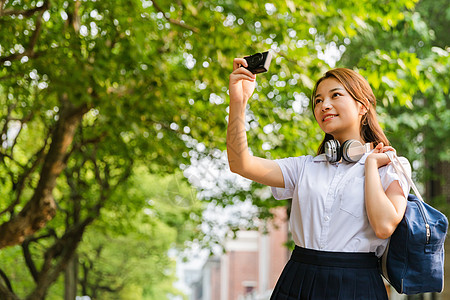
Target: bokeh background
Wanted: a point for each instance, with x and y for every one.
(113, 170)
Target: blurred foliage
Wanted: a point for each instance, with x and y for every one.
(120, 251)
(154, 76)
(409, 65)
(128, 245)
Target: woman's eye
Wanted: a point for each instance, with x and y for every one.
(318, 101)
(336, 95)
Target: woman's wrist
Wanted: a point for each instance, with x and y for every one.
(378, 160)
(371, 161)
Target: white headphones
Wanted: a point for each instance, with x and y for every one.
(350, 151)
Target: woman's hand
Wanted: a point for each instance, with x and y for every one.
(242, 82)
(378, 156)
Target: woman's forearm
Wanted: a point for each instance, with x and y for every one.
(237, 145)
(258, 169)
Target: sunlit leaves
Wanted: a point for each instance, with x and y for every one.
(155, 75)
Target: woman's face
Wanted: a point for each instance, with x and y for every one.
(336, 111)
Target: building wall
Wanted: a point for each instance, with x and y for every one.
(243, 273)
(279, 253)
(215, 280)
(251, 264)
(240, 265)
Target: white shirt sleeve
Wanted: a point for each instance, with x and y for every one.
(388, 175)
(291, 169)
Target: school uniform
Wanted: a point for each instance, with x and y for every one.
(336, 251)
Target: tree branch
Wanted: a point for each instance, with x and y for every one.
(7, 119)
(41, 207)
(20, 184)
(173, 21)
(29, 52)
(37, 31)
(109, 289)
(22, 122)
(17, 56)
(65, 248)
(83, 142)
(74, 17)
(2, 2)
(25, 12)
(27, 254)
(6, 280)
(6, 294)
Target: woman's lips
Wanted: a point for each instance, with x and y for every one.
(328, 117)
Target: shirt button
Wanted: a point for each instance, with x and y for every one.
(327, 218)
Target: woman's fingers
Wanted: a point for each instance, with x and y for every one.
(239, 76)
(243, 73)
(238, 62)
(387, 149)
(380, 148)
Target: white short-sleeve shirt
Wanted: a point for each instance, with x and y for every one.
(328, 209)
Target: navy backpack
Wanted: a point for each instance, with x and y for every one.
(414, 259)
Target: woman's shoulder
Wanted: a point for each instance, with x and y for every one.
(406, 165)
(301, 158)
(389, 168)
(295, 163)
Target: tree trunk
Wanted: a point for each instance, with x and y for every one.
(64, 250)
(435, 188)
(440, 187)
(71, 279)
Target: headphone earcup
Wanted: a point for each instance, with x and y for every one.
(332, 151)
(352, 151)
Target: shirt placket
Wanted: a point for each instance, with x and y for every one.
(328, 205)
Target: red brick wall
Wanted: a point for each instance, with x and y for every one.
(279, 254)
(240, 266)
(243, 267)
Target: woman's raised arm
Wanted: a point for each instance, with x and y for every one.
(242, 85)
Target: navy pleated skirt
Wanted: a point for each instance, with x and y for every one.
(312, 274)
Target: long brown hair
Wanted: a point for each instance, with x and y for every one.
(360, 90)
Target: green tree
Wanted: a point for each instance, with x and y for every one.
(126, 246)
(92, 89)
(118, 251)
(409, 66)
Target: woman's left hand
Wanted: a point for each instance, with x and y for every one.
(379, 156)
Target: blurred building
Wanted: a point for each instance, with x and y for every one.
(250, 266)
(252, 263)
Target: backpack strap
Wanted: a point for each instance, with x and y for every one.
(401, 171)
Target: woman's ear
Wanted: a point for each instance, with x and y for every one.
(363, 110)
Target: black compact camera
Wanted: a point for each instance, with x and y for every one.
(259, 62)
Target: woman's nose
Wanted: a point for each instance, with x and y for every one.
(326, 105)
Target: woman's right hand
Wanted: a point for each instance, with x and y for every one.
(242, 82)
(265, 171)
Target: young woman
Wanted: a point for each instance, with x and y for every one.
(343, 209)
